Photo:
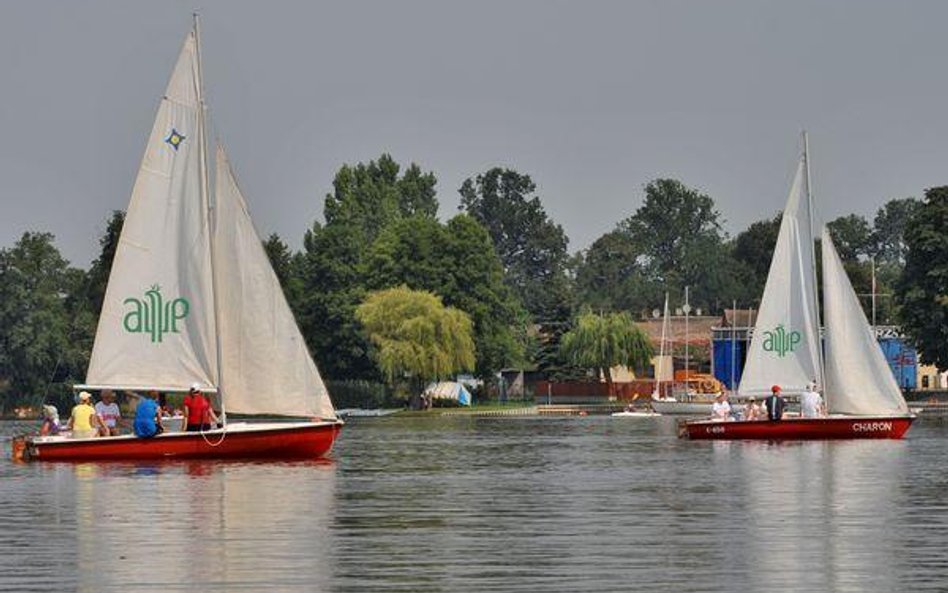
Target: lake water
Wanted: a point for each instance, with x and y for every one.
(492, 504)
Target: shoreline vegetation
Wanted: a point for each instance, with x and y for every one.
(495, 287)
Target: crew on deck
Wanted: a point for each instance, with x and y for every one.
(775, 404)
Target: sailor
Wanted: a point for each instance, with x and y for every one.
(775, 404)
(811, 403)
(84, 422)
(148, 417)
(721, 409)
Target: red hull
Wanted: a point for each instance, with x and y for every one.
(843, 427)
(275, 441)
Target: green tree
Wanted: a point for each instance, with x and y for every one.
(330, 270)
(281, 258)
(852, 236)
(921, 291)
(680, 241)
(416, 336)
(531, 246)
(366, 197)
(38, 358)
(601, 342)
(458, 262)
(98, 275)
(754, 247)
(888, 234)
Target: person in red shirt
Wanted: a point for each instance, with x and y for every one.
(198, 414)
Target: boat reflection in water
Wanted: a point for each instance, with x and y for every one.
(204, 526)
(810, 509)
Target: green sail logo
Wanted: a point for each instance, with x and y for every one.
(153, 316)
(780, 341)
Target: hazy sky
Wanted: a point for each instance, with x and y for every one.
(593, 99)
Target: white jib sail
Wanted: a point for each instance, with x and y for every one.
(858, 378)
(156, 328)
(266, 367)
(784, 349)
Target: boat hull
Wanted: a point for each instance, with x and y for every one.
(834, 427)
(297, 440)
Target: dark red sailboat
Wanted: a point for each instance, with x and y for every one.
(862, 398)
(192, 298)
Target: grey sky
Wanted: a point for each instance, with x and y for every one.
(593, 99)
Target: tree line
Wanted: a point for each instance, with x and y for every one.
(500, 270)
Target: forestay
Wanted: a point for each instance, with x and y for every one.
(784, 349)
(266, 367)
(858, 378)
(156, 327)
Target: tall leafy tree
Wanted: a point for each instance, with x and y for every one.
(601, 342)
(922, 290)
(366, 198)
(416, 336)
(754, 247)
(38, 356)
(456, 261)
(852, 236)
(531, 246)
(888, 233)
(98, 275)
(678, 231)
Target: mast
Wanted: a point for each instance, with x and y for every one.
(211, 219)
(687, 310)
(816, 299)
(733, 343)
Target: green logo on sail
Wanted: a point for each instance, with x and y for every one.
(780, 341)
(153, 316)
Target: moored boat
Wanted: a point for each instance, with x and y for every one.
(787, 348)
(192, 299)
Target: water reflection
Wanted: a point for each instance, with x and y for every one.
(203, 526)
(463, 504)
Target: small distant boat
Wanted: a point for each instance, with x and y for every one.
(694, 394)
(861, 394)
(192, 298)
(636, 414)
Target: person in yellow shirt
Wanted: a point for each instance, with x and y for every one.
(84, 422)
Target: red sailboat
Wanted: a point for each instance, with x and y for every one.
(192, 298)
(863, 399)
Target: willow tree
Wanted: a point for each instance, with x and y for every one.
(601, 342)
(416, 337)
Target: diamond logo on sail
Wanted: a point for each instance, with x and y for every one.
(175, 138)
(780, 341)
(151, 315)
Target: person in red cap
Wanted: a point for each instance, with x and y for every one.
(775, 404)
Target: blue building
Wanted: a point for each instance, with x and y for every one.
(729, 351)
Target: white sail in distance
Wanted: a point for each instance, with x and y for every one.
(784, 349)
(858, 378)
(156, 328)
(266, 367)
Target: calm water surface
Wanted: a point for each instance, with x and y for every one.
(505, 504)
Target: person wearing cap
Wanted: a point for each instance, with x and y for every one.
(83, 421)
(198, 413)
(775, 404)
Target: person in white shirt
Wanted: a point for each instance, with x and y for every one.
(811, 403)
(108, 411)
(721, 409)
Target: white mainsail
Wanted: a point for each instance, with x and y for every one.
(784, 349)
(265, 365)
(156, 328)
(858, 378)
